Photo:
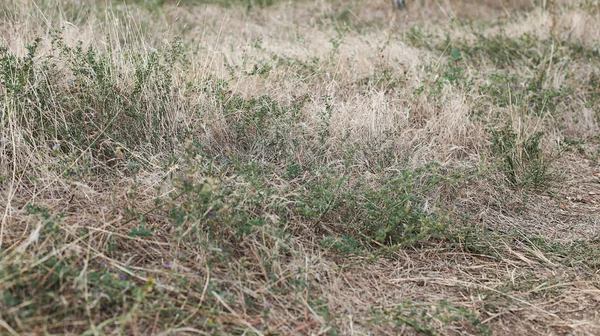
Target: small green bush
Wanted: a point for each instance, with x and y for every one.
(522, 160)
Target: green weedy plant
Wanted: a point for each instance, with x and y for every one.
(420, 316)
(416, 37)
(262, 126)
(205, 210)
(389, 212)
(17, 74)
(526, 93)
(522, 160)
(501, 50)
(394, 213)
(454, 73)
(346, 244)
(91, 111)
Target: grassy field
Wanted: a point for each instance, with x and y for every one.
(270, 167)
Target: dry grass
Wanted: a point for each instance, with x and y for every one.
(299, 168)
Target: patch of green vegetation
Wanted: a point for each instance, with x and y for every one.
(568, 144)
(320, 306)
(427, 318)
(418, 38)
(53, 279)
(262, 126)
(479, 241)
(345, 245)
(99, 116)
(216, 209)
(529, 94)
(503, 51)
(500, 50)
(522, 160)
(303, 69)
(389, 211)
(579, 254)
(454, 72)
(506, 52)
(505, 88)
